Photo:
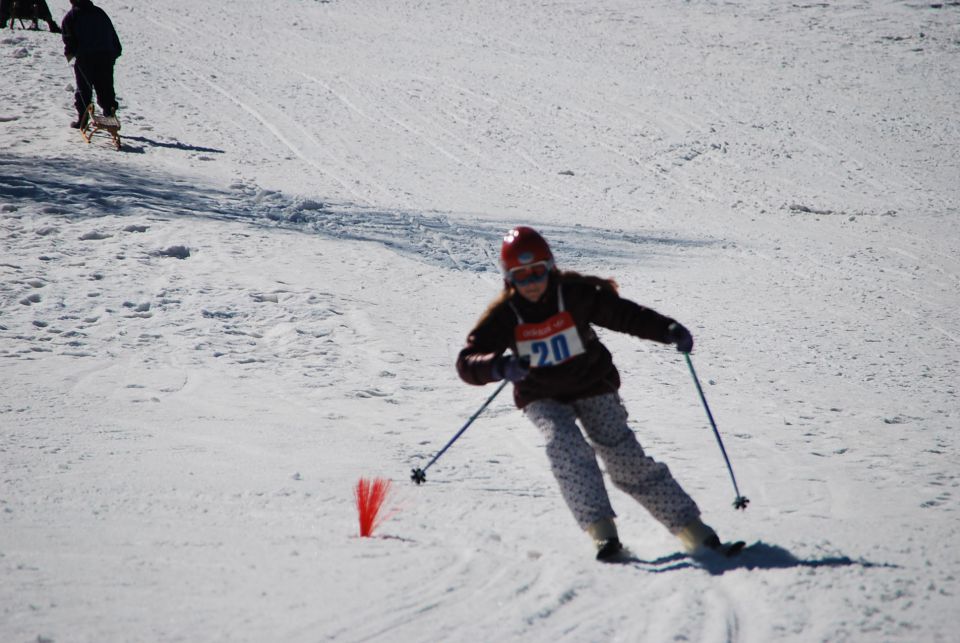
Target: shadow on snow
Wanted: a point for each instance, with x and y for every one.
(176, 145)
(759, 555)
(67, 187)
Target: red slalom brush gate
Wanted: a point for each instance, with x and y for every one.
(370, 495)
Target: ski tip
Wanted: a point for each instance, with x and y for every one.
(732, 549)
(716, 549)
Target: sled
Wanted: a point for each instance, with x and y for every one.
(100, 123)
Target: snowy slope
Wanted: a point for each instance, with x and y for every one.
(180, 434)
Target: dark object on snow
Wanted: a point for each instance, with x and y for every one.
(89, 37)
(177, 252)
(20, 10)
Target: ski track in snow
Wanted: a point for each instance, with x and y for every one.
(207, 338)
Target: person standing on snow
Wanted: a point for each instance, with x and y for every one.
(562, 373)
(89, 36)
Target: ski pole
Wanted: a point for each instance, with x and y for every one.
(420, 475)
(741, 501)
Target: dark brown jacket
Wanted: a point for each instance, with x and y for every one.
(590, 301)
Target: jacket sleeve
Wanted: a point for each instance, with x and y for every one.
(118, 48)
(609, 310)
(485, 344)
(69, 37)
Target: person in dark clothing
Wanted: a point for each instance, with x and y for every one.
(89, 36)
(562, 374)
(35, 10)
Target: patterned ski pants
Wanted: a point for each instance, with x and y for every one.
(574, 461)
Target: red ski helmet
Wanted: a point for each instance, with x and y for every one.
(524, 246)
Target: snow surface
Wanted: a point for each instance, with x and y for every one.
(209, 337)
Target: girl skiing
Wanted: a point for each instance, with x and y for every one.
(562, 373)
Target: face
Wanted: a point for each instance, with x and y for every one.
(532, 291)
(531, 281)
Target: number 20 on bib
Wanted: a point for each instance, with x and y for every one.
(549, 342)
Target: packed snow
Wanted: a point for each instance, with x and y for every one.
(209, 337)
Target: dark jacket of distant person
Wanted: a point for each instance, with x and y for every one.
(88, 31)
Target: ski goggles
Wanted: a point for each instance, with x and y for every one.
(525, 275)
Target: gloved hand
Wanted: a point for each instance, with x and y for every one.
(511, 367)
(680, 336)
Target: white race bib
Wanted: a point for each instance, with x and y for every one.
(549, 342)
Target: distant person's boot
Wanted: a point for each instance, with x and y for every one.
(81, 121)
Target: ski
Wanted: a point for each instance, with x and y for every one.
(729, 549)
(621, 556)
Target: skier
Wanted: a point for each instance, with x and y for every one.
(89, 36)
(562, 373)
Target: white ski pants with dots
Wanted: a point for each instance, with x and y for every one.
(574, 461)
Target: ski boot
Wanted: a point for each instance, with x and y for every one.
(699, 539)
(604, 534)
